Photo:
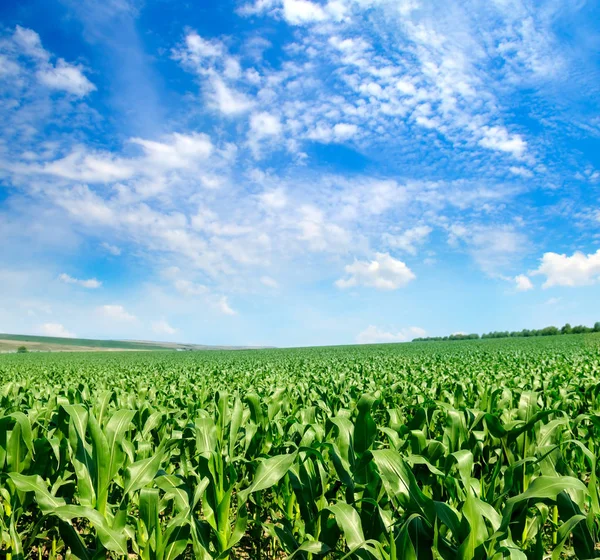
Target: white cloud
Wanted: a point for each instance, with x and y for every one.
(112, 249)
(175, 152)
(61, 76)
(494, 247)
(80, 165)
(299, 12)
(521, 172)
(178, 151)
(269, 282)
(227, 100)
(575, 270)
(162, 327)
(498, 138)
(194, 290)
(523, 283)
(87, 206)
(318, 232)
(66, 77)
(8, 67)
(263, 127)
(410, 239)
(222, 304)
(199, 48)
(55, 330)
(116, 313)
(274, 199)
(190, 289)
(343, 131)
(29, 43)
(339, 132)
(375, 335)
(265, 124)
(383, 273)
(438, 72)
(91, 283)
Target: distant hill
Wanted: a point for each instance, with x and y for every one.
(10, 343)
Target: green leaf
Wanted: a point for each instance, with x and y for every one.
(115, 431)
(140, 473)
(365, 429)
(400, 483)
(110, 539)
(348, 521)
(175, 538)
(174, 487)
(269, 472)
(46, 501)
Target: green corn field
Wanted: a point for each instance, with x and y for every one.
(462, 450)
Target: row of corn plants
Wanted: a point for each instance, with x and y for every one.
(438, 451)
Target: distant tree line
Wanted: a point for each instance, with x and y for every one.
(547, 331)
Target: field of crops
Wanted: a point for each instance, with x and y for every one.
(478, 449)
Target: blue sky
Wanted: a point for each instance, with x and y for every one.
(295, 172)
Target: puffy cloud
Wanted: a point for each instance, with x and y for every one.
(116, 313)
(92, 283)
(29, 43)
(339, 132)
(66, 77)
(62, 76)
(299, 12)
(265, 124)
(383, 273)
(263, 127)
(375, 335)
(162, 327)
(55, 330)
(8, 67)
(198, 48)
(523, 283)
(498, 138)
(578, 269)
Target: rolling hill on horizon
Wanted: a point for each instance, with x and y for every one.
(35, 343)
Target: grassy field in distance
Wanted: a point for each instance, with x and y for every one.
(11, 342)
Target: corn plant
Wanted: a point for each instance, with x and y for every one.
(469, 450)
